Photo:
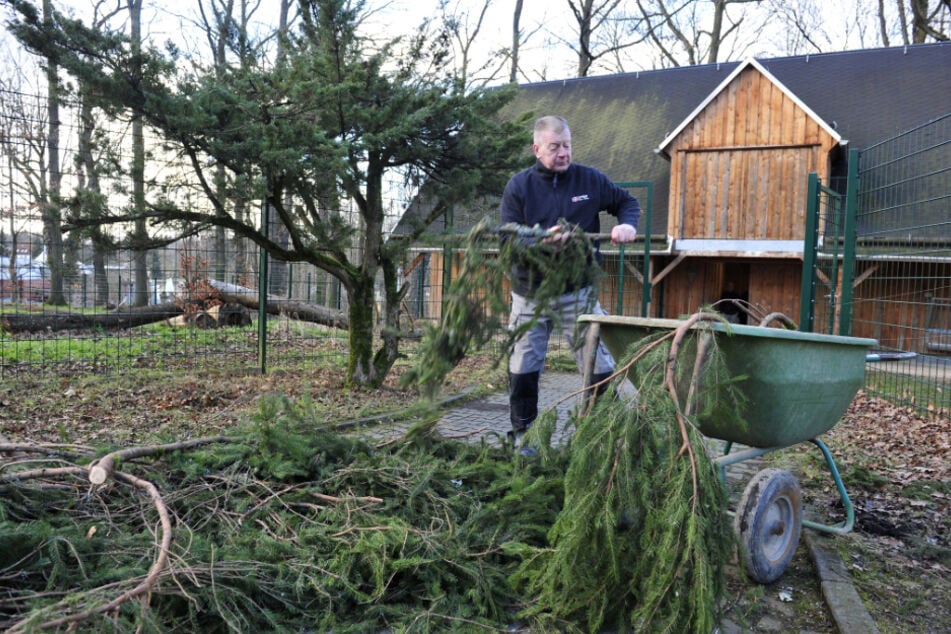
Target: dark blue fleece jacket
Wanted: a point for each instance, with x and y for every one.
(539, 196)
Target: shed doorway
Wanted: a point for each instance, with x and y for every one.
(734, 291)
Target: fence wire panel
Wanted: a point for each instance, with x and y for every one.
(197, 310)
(903, 265)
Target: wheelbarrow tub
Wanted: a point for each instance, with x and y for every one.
(797, 384)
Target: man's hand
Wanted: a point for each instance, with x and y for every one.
(623, 233)
(557, 235)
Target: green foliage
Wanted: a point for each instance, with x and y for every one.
(476, 301)
(295, 526)
(637, 545)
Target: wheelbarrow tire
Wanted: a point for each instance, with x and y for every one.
(768, 523)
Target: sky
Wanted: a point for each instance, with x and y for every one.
(547, 24)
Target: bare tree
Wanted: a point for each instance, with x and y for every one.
(11, 128)
(520, 37)
(225, 27)
(462, 25)
(51, 183)
(603, 30)
(91, 162)
(220, 28)
(24, 141)
(516, 41)
(804, 27)
(927, 22)
(140, 294)
(686, 32)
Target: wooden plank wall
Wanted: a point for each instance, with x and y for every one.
(694, 283)
(892, 304)
(776, 286)
(739, 169)
(748, 194)
(773, 286)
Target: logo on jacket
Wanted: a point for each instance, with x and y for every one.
(581, 198)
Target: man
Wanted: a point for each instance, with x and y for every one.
(549, 194)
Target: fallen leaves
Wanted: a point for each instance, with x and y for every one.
(899, 443)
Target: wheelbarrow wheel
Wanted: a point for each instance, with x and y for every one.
(768, 523)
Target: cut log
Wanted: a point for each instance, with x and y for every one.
(230, 315)
(304, 311)
(126, 318)
(235, 312)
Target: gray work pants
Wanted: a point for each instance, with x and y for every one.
(527, 357)
(528, 353)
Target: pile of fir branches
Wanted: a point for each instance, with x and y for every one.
(293, 525)
(288, 525)
(642, 538)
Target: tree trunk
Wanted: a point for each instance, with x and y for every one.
(516, 40)
(140, 291)
(314, 313)
(40, 322)
(52, 230)
(361, 369)
(142, 315)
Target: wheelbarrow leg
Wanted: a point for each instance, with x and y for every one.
(846, 526)
(838, 529)
(592, 339)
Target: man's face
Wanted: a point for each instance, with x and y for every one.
(553, 150)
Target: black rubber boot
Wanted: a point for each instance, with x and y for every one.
(523, 400)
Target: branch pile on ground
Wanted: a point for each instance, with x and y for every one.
(291, 525)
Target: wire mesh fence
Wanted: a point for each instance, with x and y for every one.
(197, 311)
(898, 290)
(902, 283)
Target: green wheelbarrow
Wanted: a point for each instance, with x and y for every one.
(797, 386)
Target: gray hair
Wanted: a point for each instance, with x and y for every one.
(552, 123)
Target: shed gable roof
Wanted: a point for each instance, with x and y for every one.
(725, 84)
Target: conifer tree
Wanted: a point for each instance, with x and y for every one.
(334, 120)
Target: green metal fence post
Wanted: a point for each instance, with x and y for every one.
(620, 281)
(648, 211)
(807, 296)
(262, 293)
(848, 256)
(422, 274)
(290, 280)
(447, 254)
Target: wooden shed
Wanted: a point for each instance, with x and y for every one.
(739, 167)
